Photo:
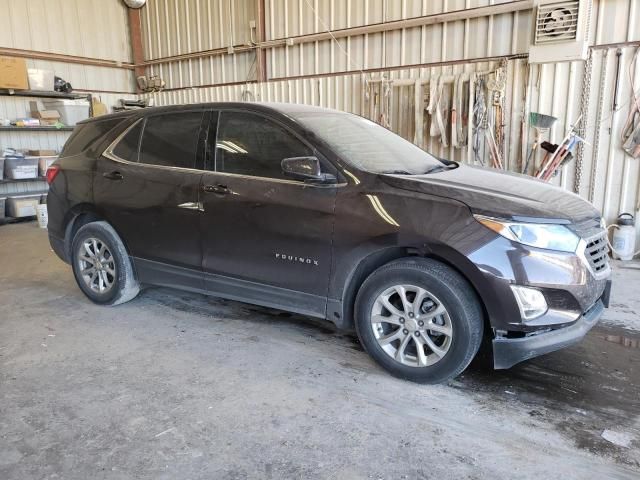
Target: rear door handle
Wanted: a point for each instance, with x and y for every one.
(113, 175)
(217, 189)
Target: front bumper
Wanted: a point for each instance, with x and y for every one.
(509, 351)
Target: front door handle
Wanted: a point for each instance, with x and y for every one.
(217, 189)
(113, 176)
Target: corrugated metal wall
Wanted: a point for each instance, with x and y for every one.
(456, 40)
(328, 72)
(85, 28)
(173, 27)
(605, 175)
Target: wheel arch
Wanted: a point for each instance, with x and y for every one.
(76, 218)
(343, 316)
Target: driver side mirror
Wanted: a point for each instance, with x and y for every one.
(306, 169)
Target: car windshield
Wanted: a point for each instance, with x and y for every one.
(367, 145)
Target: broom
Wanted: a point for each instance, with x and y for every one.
(541, 123)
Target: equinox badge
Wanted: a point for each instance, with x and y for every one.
(295, 259)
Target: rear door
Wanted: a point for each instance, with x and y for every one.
(266, 238)
(148, 188)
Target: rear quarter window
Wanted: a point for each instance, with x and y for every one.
(86, 135)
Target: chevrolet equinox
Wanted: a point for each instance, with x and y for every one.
(330, 215)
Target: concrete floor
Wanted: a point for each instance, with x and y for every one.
(176, 385)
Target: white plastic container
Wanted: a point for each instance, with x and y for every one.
(40, 79)
(23, 205)
(43, 215)
(624, 237)
(71, 111)
(44, 163)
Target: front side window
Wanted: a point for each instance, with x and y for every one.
(249, 144)
(171, 140)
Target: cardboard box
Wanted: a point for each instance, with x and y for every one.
(13, 73)
(46, 117)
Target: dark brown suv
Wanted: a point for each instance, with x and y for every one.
(330, 215)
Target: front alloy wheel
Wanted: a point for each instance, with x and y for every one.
(411, 325)
(419, 319)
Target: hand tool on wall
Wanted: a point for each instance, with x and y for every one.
(480, 121)
(631, 129)
(541, 123)
(555, 160)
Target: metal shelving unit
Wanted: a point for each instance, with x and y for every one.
(18, 180)
(13, 129)
(42, 94)
(36, 129)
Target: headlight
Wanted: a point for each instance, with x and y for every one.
(540, 235)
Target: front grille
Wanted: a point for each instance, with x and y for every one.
(597, 252)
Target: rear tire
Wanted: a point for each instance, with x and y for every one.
(101, 265)
(419, 319)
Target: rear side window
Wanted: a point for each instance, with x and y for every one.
(86, 135)
(171, 140)
(127, 148)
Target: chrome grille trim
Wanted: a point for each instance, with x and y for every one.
(594, 251)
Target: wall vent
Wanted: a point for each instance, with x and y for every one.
(561, 31)
(557, 22)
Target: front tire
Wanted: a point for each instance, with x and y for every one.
(419, 319)
(101, 265)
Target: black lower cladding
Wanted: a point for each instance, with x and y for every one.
(606, 295)
(57, 245)
(509, 351)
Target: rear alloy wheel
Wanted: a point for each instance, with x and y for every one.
(96, 265)
(419, 319)
(102, 266)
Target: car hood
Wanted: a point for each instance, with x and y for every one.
(500, 194)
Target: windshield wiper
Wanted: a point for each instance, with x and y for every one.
(396, 172)
(439, 168)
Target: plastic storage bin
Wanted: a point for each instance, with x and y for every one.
(71, 111)
(23, 205)
(2, 207)
(1, 168)
(17, 168)
(40, 79)
(44, 163)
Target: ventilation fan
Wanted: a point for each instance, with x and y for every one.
(557, 22)
(561, 31)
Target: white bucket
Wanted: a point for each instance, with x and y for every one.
(43, 215)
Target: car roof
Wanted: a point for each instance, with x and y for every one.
(289, 109)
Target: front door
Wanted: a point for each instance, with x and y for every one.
(148, 187)
(266, 238)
